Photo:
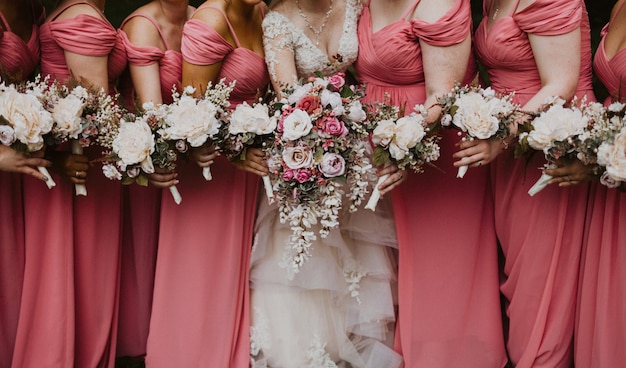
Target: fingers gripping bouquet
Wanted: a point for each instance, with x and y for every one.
(479, 113)
(318, 155)
(192, 122)
(555, 130)
(24, 121)
(404, 141)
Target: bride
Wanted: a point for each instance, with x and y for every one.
(338, 310)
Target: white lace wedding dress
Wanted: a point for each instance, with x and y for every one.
(338, 310)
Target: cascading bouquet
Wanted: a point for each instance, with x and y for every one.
(191, 121)
(138, 146)
(251, 126)
(403, 141)
(478, 112)
(555, 130)
(320, 146)
(83, 116)
(24, 122)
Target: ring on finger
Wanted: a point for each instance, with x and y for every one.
(78, 175)
(567, 178)
(480, 163)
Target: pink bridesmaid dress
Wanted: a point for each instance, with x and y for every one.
(142, 208)
(68, 315)
(18, 59)
(200, 313)
(449, 306)
(541, 236)
(600, 331)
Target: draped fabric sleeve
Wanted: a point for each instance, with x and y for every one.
(550, 17)
(202, 45)
(277, 37)
(452, 28)
(140, 55)
(84, 35)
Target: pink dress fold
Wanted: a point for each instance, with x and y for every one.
(18, 59)
(142, 206)
(600, 331)
(200, 314)
(541, 236)
(71, 284)
(449, 307)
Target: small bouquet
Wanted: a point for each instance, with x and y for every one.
(479, 113)
(83, 116)
(24, 122)
(138, 146)
(556, 131)
(404, 141)
(320, 144)
(192, 122)
(251, 126)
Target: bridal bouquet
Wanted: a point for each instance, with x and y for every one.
(479, 113)
(83, 116)
(24, 122)
(403, 141)
(138, 146)
(251, 126)
(320, 145)
(191, 122)
(556, 130)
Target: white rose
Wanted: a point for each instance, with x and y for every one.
(111, 172)
(133, 144)
(298, 93)
(248, 119)
(192, 121)
(298, 157)
(7, 135)
(475, 116)
(384, 132)
(66, 114)
(613, 157)
(296, 125)
(27, 116)
(616, 107)
(409, 131)
(332, 165)
(80, 92)
(356, 112)
(556, 124)
(334, 100)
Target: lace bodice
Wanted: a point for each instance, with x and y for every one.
(308, 57)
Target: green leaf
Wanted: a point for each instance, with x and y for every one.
(127, 180)
(142, 180)
(380, 156)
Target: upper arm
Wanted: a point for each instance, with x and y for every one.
(279, 53)
(616, 37)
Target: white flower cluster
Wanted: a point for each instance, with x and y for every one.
(557, 124)
(400, 136)
(479, 112)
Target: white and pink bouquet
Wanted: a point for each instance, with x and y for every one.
(401, 140)
(479, 113)
(318, 156)
(192, 122)
(251, 126)
(24, 122)
(556, 131)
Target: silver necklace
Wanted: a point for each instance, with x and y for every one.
(318, 31)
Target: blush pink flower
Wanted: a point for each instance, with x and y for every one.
(332, 165)
(337, 81)
(334, 127)
(302, 176)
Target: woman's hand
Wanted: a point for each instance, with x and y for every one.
(73, 166)
(162, 178)
(204, 155)
(571, 172)
(13, 161)
(396, 177)
(254, 163)
(477, 152)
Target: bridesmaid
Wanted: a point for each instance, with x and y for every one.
(71, 285)
(19, 42)
(200, 314)
(152, 36)
(537, 48)
(414, 51)
(600, 331)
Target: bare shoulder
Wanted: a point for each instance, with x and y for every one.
(212, 13)
(432, 10)
(141, 31)
(73, 11)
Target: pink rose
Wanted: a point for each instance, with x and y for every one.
(334, 127)
(181, 146)
(308, 103)
(337, 81)
(302, 176)
(288, 175)
(332, 165)
(298, 157)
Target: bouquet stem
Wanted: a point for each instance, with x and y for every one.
(375, 197)
(462, 171)
(175, 194)
(77, 149)
(269, 192)
(540, 184)
(49, 181)
(206, 172)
